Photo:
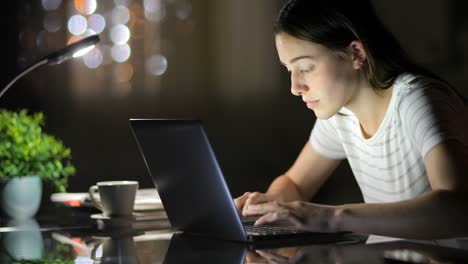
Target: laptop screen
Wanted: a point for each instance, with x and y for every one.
(185, 171)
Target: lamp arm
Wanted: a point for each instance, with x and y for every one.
(24, 72)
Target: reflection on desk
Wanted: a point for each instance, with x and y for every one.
(155, 243)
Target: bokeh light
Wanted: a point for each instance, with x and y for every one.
(137, 21)
(74, 39)
(50, 5)
(123, 89)
(120, 34)
(123, 72)
(121, 53)
(155, 16)
(77, 25)
(86, 7)
(120, 15)
(154, 10)
(97, 23)
(93, 58)
(152, 5)
(156, 65)
(52, 22)
(183, 10)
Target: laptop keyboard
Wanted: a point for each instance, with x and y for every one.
(268, 230)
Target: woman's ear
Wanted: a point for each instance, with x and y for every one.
(359, 54)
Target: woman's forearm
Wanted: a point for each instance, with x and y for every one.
(284, 189)
(434, 215)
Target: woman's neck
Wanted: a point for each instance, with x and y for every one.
(370, 106)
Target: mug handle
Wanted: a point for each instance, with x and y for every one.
(92, 192)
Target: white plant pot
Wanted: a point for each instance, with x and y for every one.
(20, 197)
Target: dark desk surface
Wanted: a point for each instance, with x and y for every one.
(73, 237)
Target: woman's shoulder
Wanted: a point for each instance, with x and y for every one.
(427, 97)
(431, 109)
(407, 83)
(411, 88)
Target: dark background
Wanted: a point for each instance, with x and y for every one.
(222, 69)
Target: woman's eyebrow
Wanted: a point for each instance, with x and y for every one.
(301, 57)
(293, 60)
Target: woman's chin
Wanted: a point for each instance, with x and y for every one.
(323, 115)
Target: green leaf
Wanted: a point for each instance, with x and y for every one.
(26, 150)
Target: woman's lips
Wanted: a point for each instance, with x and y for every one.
(312, 104)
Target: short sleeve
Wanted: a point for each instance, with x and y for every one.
(326, 141)
(431, 112)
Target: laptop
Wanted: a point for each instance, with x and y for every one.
(194, 193)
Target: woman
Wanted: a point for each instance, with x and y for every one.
(401, 129)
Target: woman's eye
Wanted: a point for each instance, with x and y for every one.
(303, 71)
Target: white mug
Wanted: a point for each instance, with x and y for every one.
(117, 197)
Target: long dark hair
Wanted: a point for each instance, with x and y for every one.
(336, 23)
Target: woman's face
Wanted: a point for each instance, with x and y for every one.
(325, 81)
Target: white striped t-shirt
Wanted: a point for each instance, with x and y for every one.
(389, 166)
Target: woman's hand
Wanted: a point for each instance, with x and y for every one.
(250, 198)
(301, 215)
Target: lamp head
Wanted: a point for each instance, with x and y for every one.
(74, 50)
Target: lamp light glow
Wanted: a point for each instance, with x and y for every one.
(73, 50)
(68, 52)
(83, 51)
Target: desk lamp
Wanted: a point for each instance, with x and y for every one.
(73, 50)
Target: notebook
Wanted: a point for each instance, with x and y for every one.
(190, 182)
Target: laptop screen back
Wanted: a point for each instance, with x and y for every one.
(189, 180)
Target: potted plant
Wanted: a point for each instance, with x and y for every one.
(28, 156)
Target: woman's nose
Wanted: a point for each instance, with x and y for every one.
(298, 86)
